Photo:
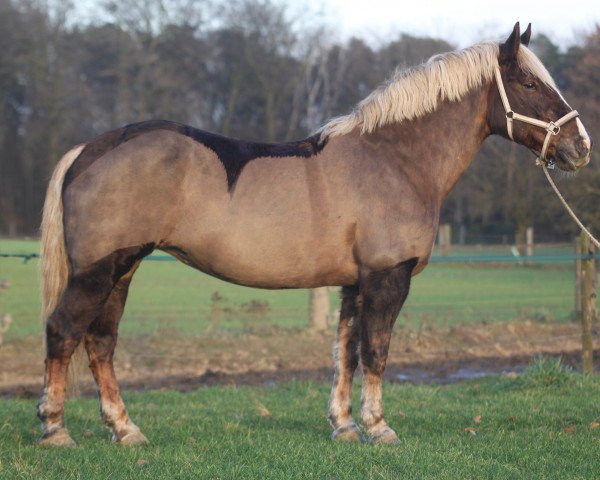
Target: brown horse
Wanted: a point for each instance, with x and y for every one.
(357, 205)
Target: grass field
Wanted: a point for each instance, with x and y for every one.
(542, 425)
(170, 298)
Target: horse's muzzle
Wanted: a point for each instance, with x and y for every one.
(582, 162)
(583, 146)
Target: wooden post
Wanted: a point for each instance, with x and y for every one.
(529, 241)
(319, 308)
(445, 239)
(578, 278)
(462, 234)
(588, 302)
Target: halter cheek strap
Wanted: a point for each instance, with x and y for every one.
(552, 128)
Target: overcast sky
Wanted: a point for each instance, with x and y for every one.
(462, 22)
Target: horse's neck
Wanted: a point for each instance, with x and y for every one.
(438, 147)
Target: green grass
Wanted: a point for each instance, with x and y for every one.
(536, 426)
(526, 431)
(545, 372)
(170, 297)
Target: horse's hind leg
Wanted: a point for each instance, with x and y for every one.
(80, 304)
(345, 357)
(383, 294)
(100, 342)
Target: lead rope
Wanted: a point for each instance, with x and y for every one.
(564, 202)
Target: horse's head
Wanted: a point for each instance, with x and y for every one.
(526, 106)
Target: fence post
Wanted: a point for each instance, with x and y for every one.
(529, 241)
(445, 239)
(588, 302)
(318, 308)
(578, 277)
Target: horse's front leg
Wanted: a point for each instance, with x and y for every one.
(345, 357)
(383, 293)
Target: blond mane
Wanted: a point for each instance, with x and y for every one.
(413, 92)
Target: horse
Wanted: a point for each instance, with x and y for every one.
(356, 205)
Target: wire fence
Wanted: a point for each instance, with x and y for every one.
(482, 254)
(473, 286)
(474, 283)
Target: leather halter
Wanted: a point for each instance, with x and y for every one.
(552, 128)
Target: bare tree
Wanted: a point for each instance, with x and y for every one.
(317, 90)
(316, 79)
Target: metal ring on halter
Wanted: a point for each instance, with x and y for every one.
(553, 128)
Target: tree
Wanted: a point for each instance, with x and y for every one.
(248, 69)
(582, 78)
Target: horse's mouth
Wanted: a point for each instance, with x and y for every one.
(569, 164)
(564, 162)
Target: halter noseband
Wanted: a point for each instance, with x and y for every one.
(552, 128)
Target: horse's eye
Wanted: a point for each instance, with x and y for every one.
(529, 85)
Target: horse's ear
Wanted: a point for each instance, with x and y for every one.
(526, 36)
(509, 49)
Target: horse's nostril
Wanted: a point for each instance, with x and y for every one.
(583, 146)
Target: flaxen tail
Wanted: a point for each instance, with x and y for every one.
(54, 263)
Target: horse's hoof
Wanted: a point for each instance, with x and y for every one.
(387, 436)
(57, 438)
(132, 439)
(349, 433)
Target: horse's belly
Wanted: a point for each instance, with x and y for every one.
(271, 262)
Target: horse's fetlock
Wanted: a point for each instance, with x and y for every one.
(115, 417)
(47, 410)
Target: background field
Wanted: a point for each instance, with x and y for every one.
(168, 298)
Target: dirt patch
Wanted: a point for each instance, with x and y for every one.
(433, 355)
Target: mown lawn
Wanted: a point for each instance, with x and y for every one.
(536, 426)
(170, 297)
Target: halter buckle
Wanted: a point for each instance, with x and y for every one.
(510, 114)
(550, 165)
(553, 128)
